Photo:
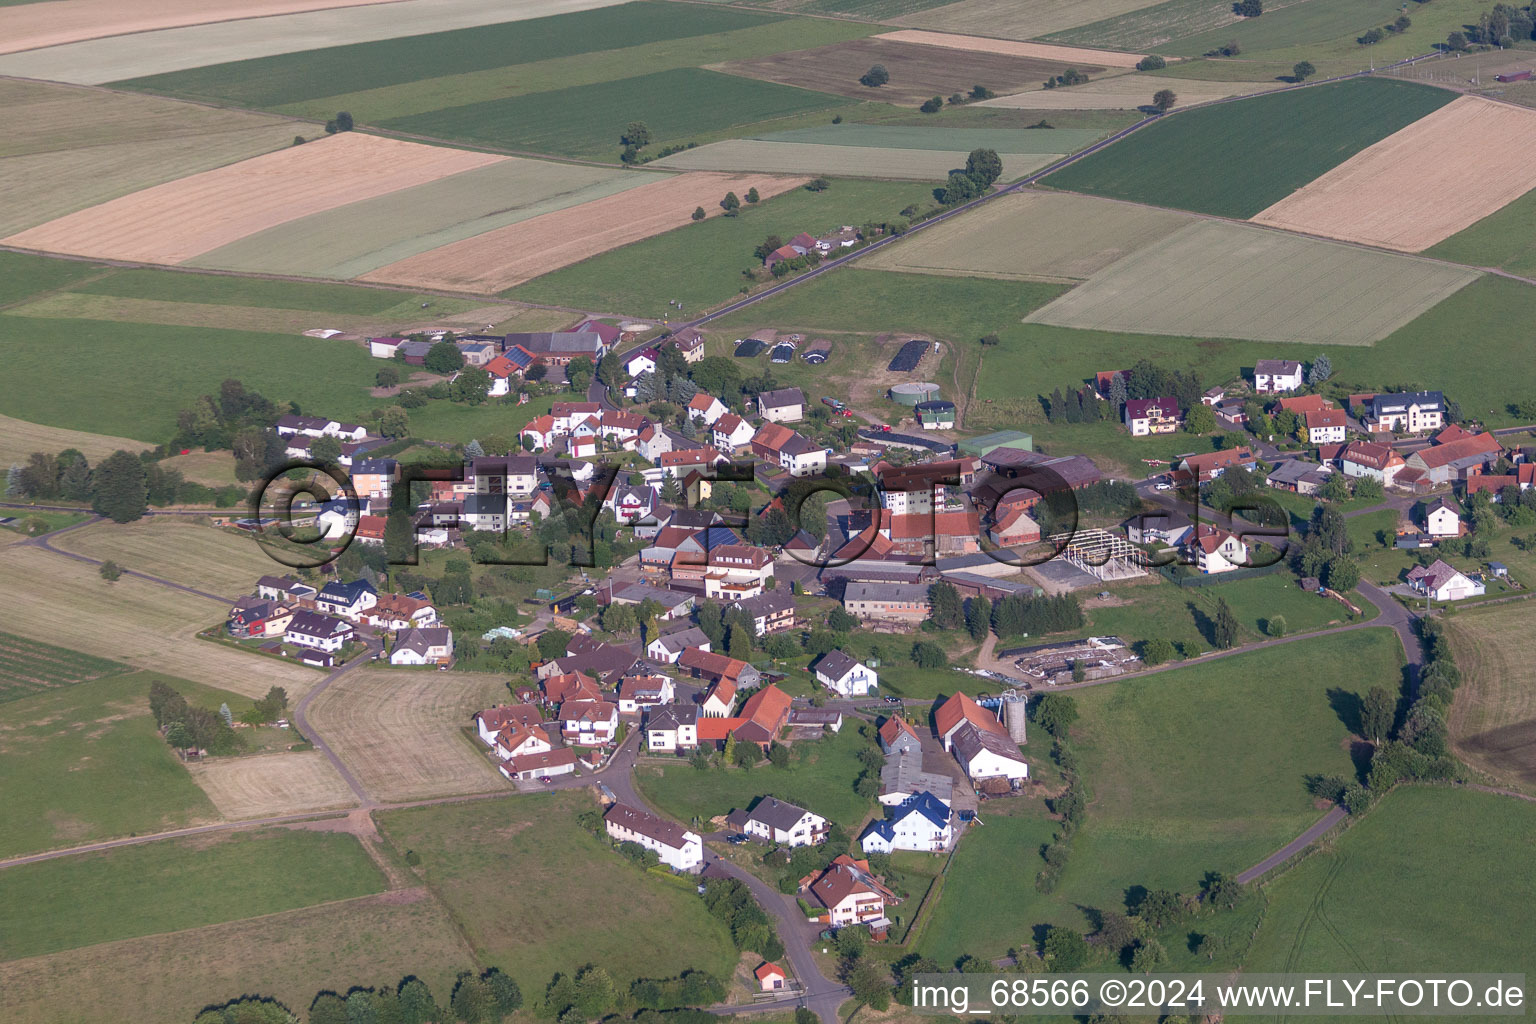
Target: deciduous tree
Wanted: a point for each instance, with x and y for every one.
(120, 489)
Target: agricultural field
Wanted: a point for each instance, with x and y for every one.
(1493, 721)
(162, 52)
(700, 265)
(1156, 817)
(1148, 26)
(211, 469)
(1380, 897)
(586, 120)
(339, 300)
(173, 222)
(917, 71)
(750, 37)
(84, 762)
(1020, 237)
(1042, 51)
(66, 148)
(530, 849)
(508, 256)
(1505, 239)
(845, 161)
(187, 552)
(1030, 19)
(1419, 186)
(1298, 24)
(399, 731)
(29, 667)
(19, 439)
(1236, 159)
(23, 275)
(949, 137)
(289, 956)
(133, 621)
(176, 884)
(269, 784)
(1218, 280)
(26, 26)
(1128, 92)
(820, 778)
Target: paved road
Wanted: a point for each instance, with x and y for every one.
(1295, 846)
(301, 723)
(45, 541)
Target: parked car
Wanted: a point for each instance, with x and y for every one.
(546, 779)
(737, 839)
(893, 700)
(1163, 485)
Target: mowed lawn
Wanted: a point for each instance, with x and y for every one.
(23, 275)
(1431, 879)
(516, 873)
(84, 762)
(194, 554)
(1238, 158)
(701, 264)
(1493, 721)
(308, 74)
(587, 120)
(1506, 239)
(175, 884)
(820, 778)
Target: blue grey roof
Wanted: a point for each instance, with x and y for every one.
(928, 805)
(346, 592)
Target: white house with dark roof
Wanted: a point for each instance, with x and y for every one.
(845, 675)
(432, 645)
(786, 405)
(777, 821)
(987, 755)
(1276, 376)
(671, 728)
(321, 632)
(1441, 581)
(922, 823)
(670, 647)
(678, 848)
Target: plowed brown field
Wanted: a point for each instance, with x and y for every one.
(499, 259)
(1422, 184)
(180, 219)
(1013, 48)
(35, 25)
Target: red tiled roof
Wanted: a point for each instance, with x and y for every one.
(1306, 403)
(893, 727)
(961, 708)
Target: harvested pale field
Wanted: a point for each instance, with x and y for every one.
(171, 547)
(173, 222)
(64, 148)
(1423, 183)
(116, 58)
(841, 161)
(1493, 719)
(1213, 279)
(211, 469)
(19, 439)
(917, 72)
(499, 259)
(362, 236)
(1020, 237)
(1128, 92)
(1019, 19)
(1074, 55)
(54, 598)
(270, 784)
(956, 140)
(289, 956)
(398, 731)
(35, 25)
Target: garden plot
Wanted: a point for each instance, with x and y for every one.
(1127, 92)
(173, 222)
(841, 161)
(499, 259)
(362, 236)
(917, 71)
(1019, 19)
(1423, 183)
(1020, 237)
(1220, 280)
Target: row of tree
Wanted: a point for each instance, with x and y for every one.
(187, 727)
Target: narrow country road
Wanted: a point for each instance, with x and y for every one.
(301, 723)
(45, 541)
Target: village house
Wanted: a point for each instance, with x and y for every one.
(1276, 376)
(776, 821)
(672, 728)
(1013, 527)
(1412, 412)
(589, 723)
(786, 405)
(1215, 550)
(373, 479)
(926, 487)
(846, 676)
(922, 823)
(503, 474)
(959, 710)
(718, 668)
(887, 602)
(1441, 581)
(558, 348)
(706, 407)
(735, 572)
(400, 611)
(1299, 477)
(256, 618)
(678, 848)
(1207, 467)
(432, 645)
(541, 764)
(643, 361)
(1327, 426)
(1443, 519)
(1369, 460)
(370, 529)
(565, 687)
(1464, 457)
(321, 632)
(780, 446)
(520, 740)
(638, 694)
(1144, 416)
(897, 737)
(669, 647)
(289, 591)
(348, 600)
(690, 343)
(985, 754)
(763, 717)
(732, 433)
(770, 977)
(492, 721)
(319, 426)
(850, 893)
(902, 777)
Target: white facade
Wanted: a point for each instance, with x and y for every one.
(686, 854)
(1443, 521)
(855, 681)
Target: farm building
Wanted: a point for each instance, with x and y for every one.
(986, 443)
(938, 414)
(1101, 554)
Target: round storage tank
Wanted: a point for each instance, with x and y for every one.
(1016, 718)
(911, 394)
